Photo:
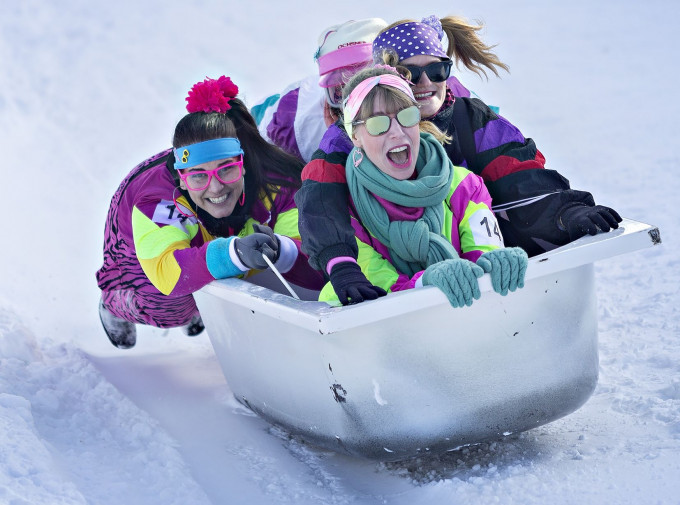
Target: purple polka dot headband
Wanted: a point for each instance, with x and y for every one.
(411, 39)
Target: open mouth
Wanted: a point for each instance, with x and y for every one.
(423, 96)
(399, 156)
(219, 199)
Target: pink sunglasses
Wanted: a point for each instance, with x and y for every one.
(228, 173)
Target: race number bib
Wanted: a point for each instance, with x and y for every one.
(179, 216)
(484, 227)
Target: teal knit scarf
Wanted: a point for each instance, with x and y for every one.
(413, 245)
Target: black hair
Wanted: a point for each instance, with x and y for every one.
(266, 165)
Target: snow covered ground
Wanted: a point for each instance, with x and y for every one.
(89, 89)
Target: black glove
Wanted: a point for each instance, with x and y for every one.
(579, 220)
(251, 247)
(351, 285)
(262, 228)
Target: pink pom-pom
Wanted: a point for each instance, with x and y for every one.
(211, 95)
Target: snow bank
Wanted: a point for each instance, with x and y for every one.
(67, 433)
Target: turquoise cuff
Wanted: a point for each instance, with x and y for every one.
(218, 261)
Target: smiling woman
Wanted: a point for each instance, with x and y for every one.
(215, 186)
(419, 220)
(537, 208)
(204, 210)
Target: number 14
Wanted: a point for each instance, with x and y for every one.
(496, 231)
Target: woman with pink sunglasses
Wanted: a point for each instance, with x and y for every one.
(209, 208)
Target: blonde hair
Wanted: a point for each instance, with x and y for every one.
(464, 47)
(393, 99)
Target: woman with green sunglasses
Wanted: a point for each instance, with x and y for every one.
(537, 208)
(418, 219)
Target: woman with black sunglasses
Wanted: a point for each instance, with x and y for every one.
(419, 220)
(209, 208)
(538, 210)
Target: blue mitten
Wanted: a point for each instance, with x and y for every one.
(507, 268)
(457, 278)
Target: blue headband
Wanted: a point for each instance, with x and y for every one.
(203, 152)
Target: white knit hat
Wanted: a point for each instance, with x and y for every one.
(346, 45)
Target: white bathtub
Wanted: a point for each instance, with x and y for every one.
(406, 374)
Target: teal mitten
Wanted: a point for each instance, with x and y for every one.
(457, 278)
(507, 268)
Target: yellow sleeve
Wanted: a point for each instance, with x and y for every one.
(155, 245)
(287, 224)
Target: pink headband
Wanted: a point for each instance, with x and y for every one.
(356, 97)
(347, 56)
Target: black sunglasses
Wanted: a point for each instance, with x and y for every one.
(437, 72)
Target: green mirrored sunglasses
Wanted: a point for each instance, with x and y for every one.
(378, 125)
